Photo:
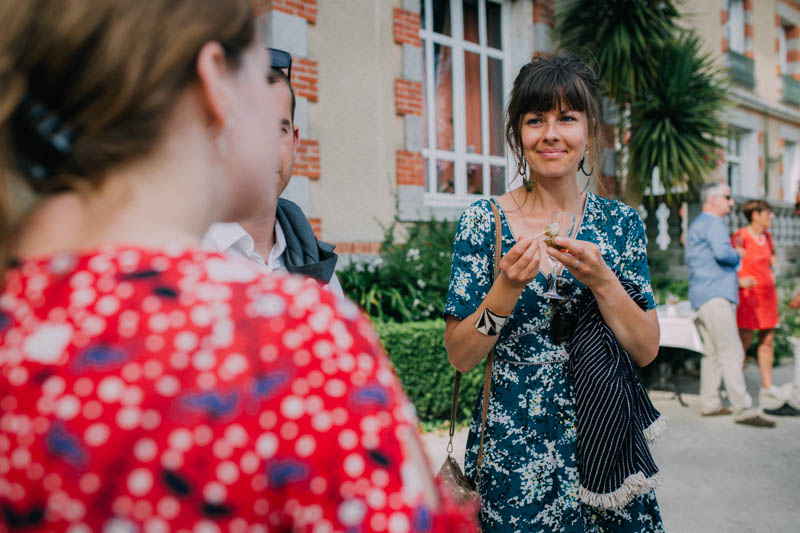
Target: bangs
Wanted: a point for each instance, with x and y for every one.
(554, 89)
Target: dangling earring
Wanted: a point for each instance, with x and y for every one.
(523, 171)
(580, 167)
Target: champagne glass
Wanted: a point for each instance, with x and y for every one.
(560, 223)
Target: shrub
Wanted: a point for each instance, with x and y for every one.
(417, 352)
(664, 286)
(408, 281)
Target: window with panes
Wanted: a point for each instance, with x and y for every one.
(464, 58)
(733, 157)
(736, 39)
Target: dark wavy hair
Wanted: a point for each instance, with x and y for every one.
(555, 82)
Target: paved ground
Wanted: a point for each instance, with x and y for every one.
(718, 476)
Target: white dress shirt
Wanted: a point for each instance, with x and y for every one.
(231, 239)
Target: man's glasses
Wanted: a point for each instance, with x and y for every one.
(281, 59)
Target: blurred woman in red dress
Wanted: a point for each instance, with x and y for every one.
(758, 299)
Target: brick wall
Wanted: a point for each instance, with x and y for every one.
(316, 226)
(361, 248)
(307, 161)
(405, 27)
(792, 52)
(301, 8)
(544, 12)
(305, 78)
(410, 168)
(408, 97)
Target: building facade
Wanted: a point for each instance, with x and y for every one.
(400, 106)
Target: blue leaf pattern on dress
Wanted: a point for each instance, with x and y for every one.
(529, 477)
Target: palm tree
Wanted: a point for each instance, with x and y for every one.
(619, 35)
(667, 92)
(675, 123)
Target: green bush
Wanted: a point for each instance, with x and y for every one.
(663, 287)
(408, 281)
(417, 352)
(788, 286)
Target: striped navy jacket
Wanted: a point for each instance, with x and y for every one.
(615, 416)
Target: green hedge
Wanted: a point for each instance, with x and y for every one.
(417, 352)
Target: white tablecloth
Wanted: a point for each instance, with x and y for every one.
(678, 329)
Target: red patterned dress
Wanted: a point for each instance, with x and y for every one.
(758, 306)
(147, 390)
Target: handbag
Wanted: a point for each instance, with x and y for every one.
(450, 475)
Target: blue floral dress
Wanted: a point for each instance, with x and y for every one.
(529, 477)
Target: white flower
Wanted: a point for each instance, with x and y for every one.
(421, 283)
(412, 254)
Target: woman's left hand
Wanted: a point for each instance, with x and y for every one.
(584, 260)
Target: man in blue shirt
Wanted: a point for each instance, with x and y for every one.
(714, 294)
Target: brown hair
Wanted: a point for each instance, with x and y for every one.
(555, 82)
(752, 206)
(88, 84)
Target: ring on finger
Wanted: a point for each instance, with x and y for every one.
(577, 262)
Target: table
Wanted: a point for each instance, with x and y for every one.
(677, 327)
(678, 334)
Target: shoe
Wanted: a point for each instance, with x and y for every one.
(756, 421)
(783, 410)
(771, 398)
(718, 412)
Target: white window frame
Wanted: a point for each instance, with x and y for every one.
(747, 160)
(459, 155)
(734, 160)
(736, 39)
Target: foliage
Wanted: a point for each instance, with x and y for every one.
(668, 93)
(621, 36)
(663, 287)
(676, 122)
(788, 286)
(408, 281)
(417, 352)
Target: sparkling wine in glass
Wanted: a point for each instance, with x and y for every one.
(560, 224)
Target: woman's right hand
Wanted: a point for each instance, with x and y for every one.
(521, 264)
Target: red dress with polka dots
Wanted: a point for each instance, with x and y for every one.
(148, 390)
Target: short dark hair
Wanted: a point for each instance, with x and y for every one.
(275, 75)
(751, 206)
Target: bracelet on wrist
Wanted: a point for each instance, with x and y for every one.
(490, 323)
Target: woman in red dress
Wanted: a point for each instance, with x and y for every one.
(758, 298)
(145, 384)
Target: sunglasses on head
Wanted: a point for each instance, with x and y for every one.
(281, 59)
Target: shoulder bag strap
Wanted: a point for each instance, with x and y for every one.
(487, 379)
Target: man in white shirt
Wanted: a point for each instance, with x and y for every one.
(279, 237)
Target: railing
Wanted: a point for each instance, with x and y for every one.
(667, 226)
(785, 227)
(741, 70)
(791, 91)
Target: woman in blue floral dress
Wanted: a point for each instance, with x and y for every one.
(528, 480)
